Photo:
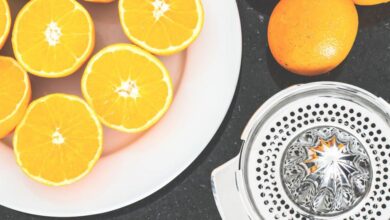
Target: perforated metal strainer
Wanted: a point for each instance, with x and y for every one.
(314, 151)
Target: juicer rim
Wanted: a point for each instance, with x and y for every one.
(252, 127)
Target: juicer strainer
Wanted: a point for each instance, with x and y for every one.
(313, 151)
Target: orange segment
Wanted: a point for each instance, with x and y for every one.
(53, 38)
(162, 27)
(15, 93)
(306, 38)
(5, 21)
(129, 89)
(59, 140)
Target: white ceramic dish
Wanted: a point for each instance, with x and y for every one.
(133, 167)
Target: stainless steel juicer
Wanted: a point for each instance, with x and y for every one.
(313, 151)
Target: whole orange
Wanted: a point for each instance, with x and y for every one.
(311, 37)
(370, 2)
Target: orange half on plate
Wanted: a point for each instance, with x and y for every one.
(53, 38)
(162, 27)
(129, 89)
(59, 140)
(15, 94)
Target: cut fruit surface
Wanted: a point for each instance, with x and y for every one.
(162, 27)
(59, 140)
(5, 21)
(15, 93)
(129, 89)
(53, 38)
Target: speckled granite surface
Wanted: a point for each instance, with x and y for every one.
(189, 196)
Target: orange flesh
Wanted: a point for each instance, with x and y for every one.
(59, 140)
(370, 2)
(165, 31)
(5, 22)
(57, 51)
(15, 93)
(132, 110)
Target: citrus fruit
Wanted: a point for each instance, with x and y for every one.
(370, 2)
(15, 93)
(162, 27)
(312, 37)
(5, 21)
(59, 140)
(53, 38)
(129, 89)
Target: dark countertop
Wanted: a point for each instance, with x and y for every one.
(189, 195)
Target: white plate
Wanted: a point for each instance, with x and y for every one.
(133, 167)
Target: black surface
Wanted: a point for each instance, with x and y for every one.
(189, 196)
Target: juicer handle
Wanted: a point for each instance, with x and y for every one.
(226, 192)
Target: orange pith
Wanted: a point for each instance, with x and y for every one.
(129, 89)
(59, 140)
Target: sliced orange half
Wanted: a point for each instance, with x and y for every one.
(162, 27)
(53, 38)
(5, 22)
(59, 140)
(15, 93)
(129, 89)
